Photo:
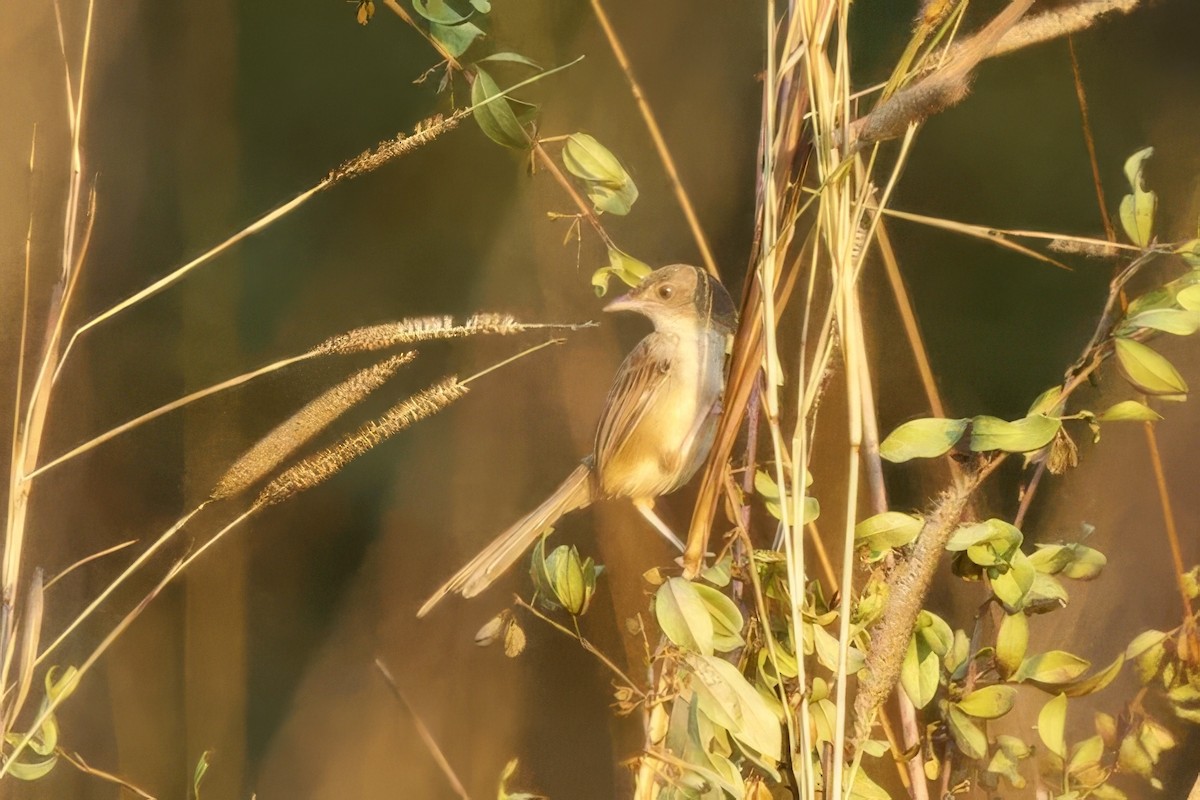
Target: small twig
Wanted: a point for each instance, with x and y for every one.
(660, 144)
(88, 559)
(584, 208)
(76, 760)
(588, 646)
(422, 731)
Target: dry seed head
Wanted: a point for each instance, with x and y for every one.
(306, 423)
(318, 468)
(423, 329)
(424, 133)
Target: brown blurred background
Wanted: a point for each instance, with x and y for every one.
(200, 116)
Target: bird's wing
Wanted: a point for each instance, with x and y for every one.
(638, 383)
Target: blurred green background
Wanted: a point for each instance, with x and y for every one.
(201, 116)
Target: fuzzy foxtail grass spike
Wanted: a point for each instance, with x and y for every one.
(424, 329)
(318, 468)
(306, 423)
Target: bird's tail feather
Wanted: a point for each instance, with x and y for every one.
(495, 559)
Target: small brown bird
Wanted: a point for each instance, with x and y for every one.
(657, 425)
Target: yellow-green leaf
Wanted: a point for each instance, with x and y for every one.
(1129, 410)
(1147, 370)
(1012, 641)
(496, 119)
(1052, 667)
(1137, 208)
(970, 739)
(683, 616)
(1177, 321)
(1051, 725)
(990, 702)
(887, 530)
(726, 618)
(607, 183)
(1021, 436)
(922, 438)
(724, 695)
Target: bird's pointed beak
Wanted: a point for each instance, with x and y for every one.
(626, 302)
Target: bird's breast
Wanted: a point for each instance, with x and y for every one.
(672, 439)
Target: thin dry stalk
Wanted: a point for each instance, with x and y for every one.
(76, 760)
(116, 548)
(318, 468)
(302, 426)
(584, 207)
(120, 579)
(174, 405)
(656, 136)
(423, 731)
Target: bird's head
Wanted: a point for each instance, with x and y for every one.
(680, 296)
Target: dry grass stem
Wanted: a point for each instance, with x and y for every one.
(423, 329)
(318, 468)
(120, 579)
(295, 431)
(656, 136)
(174, 405)
(76, 760)
(116, 548)
(426, 737)
(370, 160)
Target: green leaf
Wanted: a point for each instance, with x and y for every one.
(607, 183)
(1129, 411)
(1002, 535)
(1096, 682)
(201, 770)
(1022, 436)
(887, 530)
(438, 11)
(970, 739)
(1189, 297)
(922, 438)
(624, 266)
(919, 673)
(1051, 725)
(496, 119)
(511, 58)
(1012, 642)
(1147, 370)
(1086, 754)
(726, 618)
(1190, 252)
(32, 770)
(683, 617)
(482, 6)
(1168, 320)
(720, 573)
(1143, 642)
(456, 38)
(863, 788)
(1085, 563)
(725, 697)
(1014, 585)
(1052, 667)
(1137, 209)
(572, 581)
(990, 702)
(1047, 594)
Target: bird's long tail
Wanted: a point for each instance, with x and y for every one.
(575, 492)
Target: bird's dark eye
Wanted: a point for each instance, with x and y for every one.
(665, 291)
